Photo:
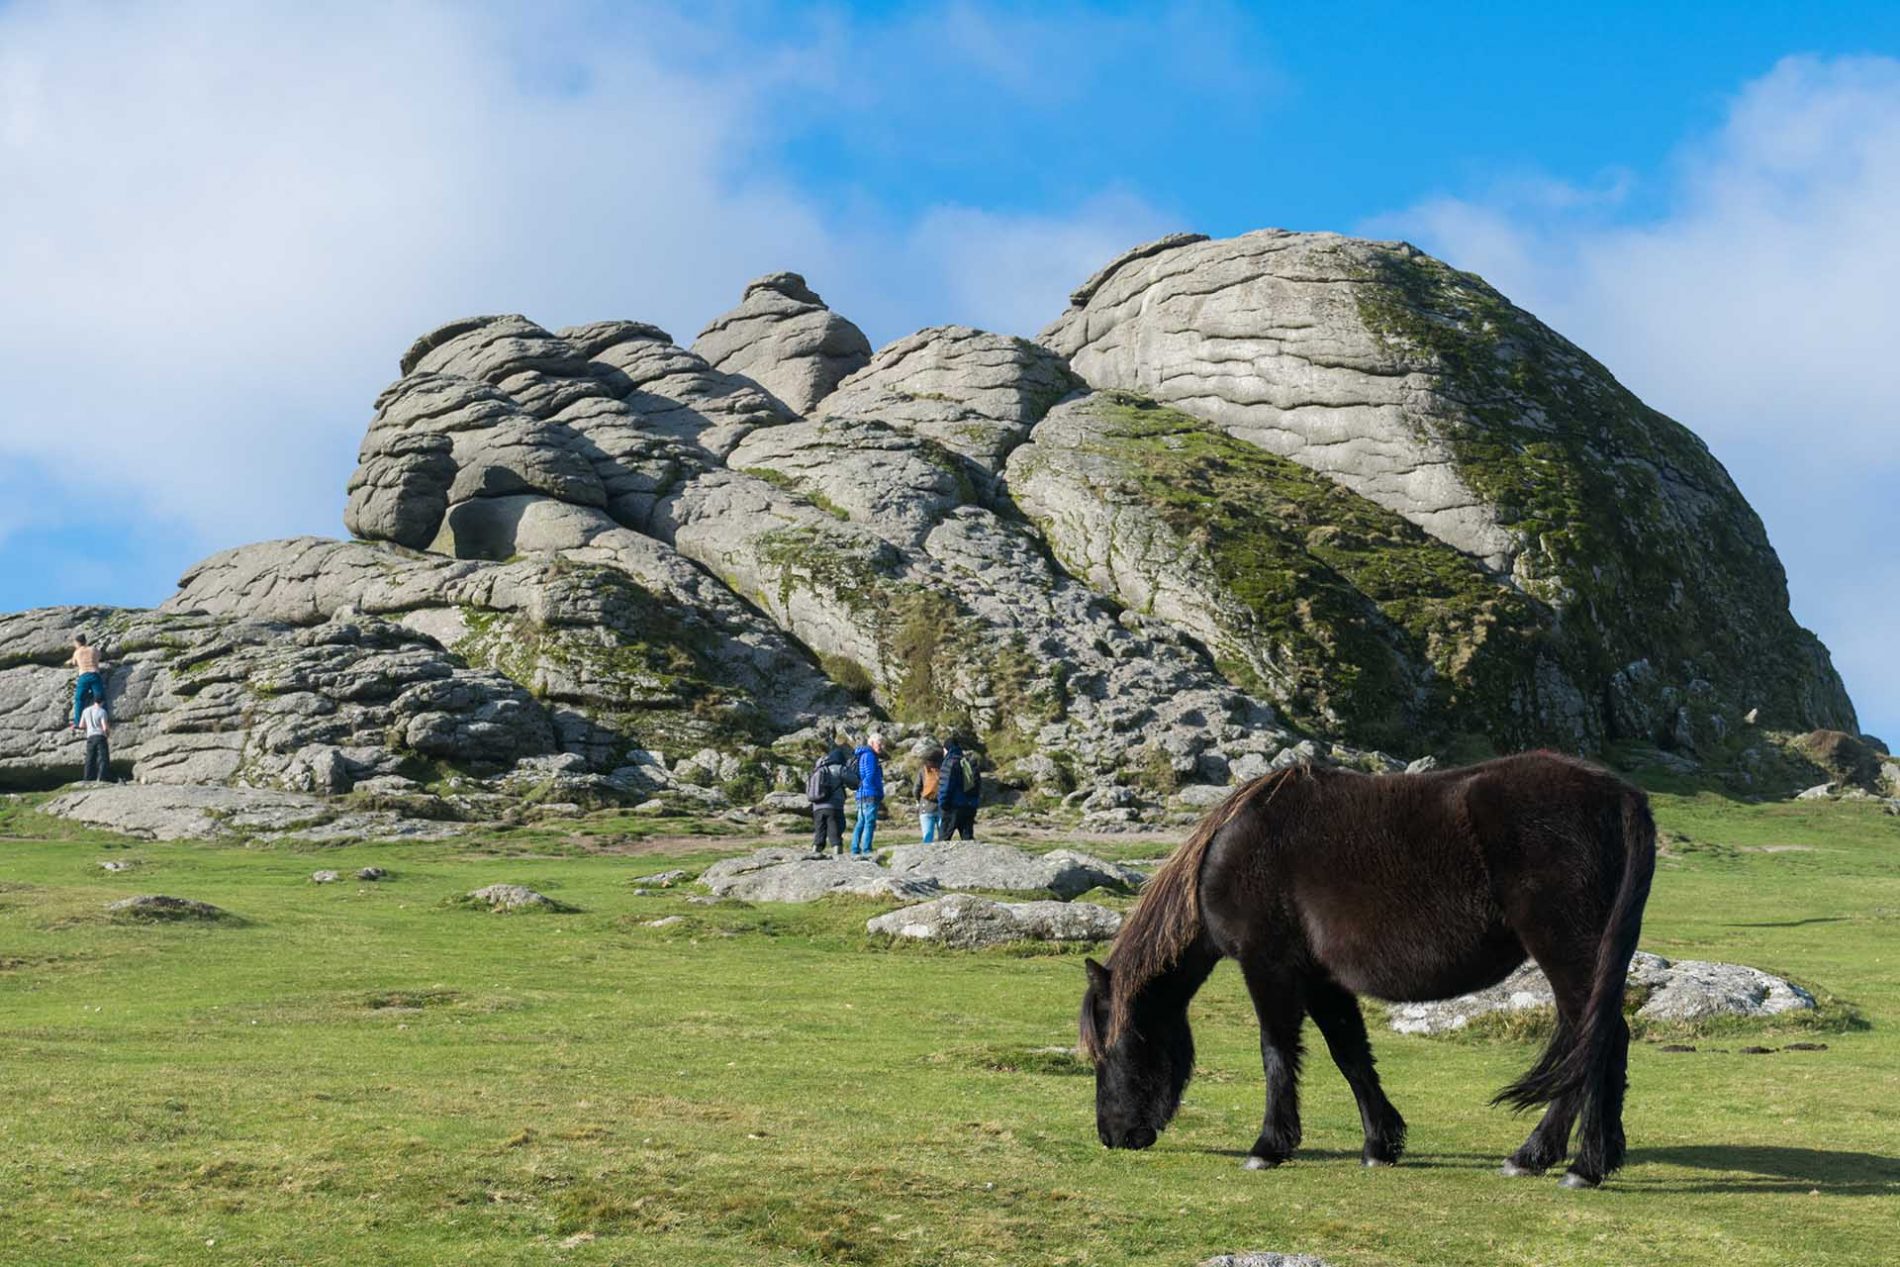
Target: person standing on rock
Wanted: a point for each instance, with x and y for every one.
(91, 685)
(923, 790)
(870, 794)
(98, 751)
(825, 789)
(959, 792)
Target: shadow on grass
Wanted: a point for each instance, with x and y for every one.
(1350, 1156)
(1772, 1168)
(1794, 923)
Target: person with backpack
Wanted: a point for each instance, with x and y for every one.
(923, 790)
(98, 750)
(870, 785)
(825, 788)
(959, 792)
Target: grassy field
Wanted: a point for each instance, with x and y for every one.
(359, 1073)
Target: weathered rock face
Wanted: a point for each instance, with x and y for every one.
(1346, 615)
(191, 812)
(1002, 868)
(782, 337)
(1683, 990)
(1316, 479)
(793, 875)
(1425, 391)
(971, 923)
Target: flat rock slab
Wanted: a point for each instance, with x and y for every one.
(159, 907)
(190, 811)
(971, 923)
(792, 875)
(513, 897)
(1680, 990)
(1004, 868)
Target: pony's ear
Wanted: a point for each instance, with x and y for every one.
(1098, 975)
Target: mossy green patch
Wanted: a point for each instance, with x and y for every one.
(1351, 617)
(1626, 521)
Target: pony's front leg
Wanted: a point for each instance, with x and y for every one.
(1277, 1002)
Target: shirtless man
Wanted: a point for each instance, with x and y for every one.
(91, 685)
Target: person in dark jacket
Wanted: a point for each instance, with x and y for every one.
(870, 795)
(830, 777)
(959, 792)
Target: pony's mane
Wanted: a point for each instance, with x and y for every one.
(1167, 919)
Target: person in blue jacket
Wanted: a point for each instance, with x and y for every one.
(870, 794)
(959, 792)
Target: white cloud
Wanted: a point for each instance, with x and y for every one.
(221, 223)
(1759, 308)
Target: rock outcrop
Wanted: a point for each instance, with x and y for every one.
(782, 337)
(1005, 869)
(793, 875)
(1680, 990)
(1426, 392)
(972, 923)
(1239, 490)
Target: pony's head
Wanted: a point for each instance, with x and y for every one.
(1142, 1064)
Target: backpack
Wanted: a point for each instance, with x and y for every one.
(972, 779)
(818, 785)
(931, 778)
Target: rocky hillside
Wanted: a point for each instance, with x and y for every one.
(1241, 494)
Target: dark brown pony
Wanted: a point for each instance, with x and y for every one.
(1325, 884)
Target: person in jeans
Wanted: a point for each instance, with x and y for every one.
(828, 780)
(98, 752)
(870, 795)
(91, 685)
(959, 792)
(923, 790)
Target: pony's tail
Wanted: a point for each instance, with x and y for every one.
(1166, 921)
(1583, 1062)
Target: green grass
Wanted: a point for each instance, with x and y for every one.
(359, 1073)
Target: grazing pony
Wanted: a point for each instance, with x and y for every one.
(1325, 884)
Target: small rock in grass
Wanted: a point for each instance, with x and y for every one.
(1259, 1259)
(513, 897)
(1758, 1051)
(1805, 1047)
(116, 864)
(372, 873)
(1676, 1047)
(324, 877)
(666, 921)
(661, 879)
(157, 906)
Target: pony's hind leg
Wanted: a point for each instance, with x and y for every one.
(1336, 1011)
(1277, 1003)
(1549, 1140)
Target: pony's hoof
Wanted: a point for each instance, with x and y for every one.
(1575, 1180)
(1377, 1163)
(1256, 1162)
(1512, 1170)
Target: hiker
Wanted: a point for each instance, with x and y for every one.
(825, 789)
(98, 751)
(90, 685)
(870, 794)
(923, 790)
(959, 792)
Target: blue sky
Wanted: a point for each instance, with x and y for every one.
(220, 223)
